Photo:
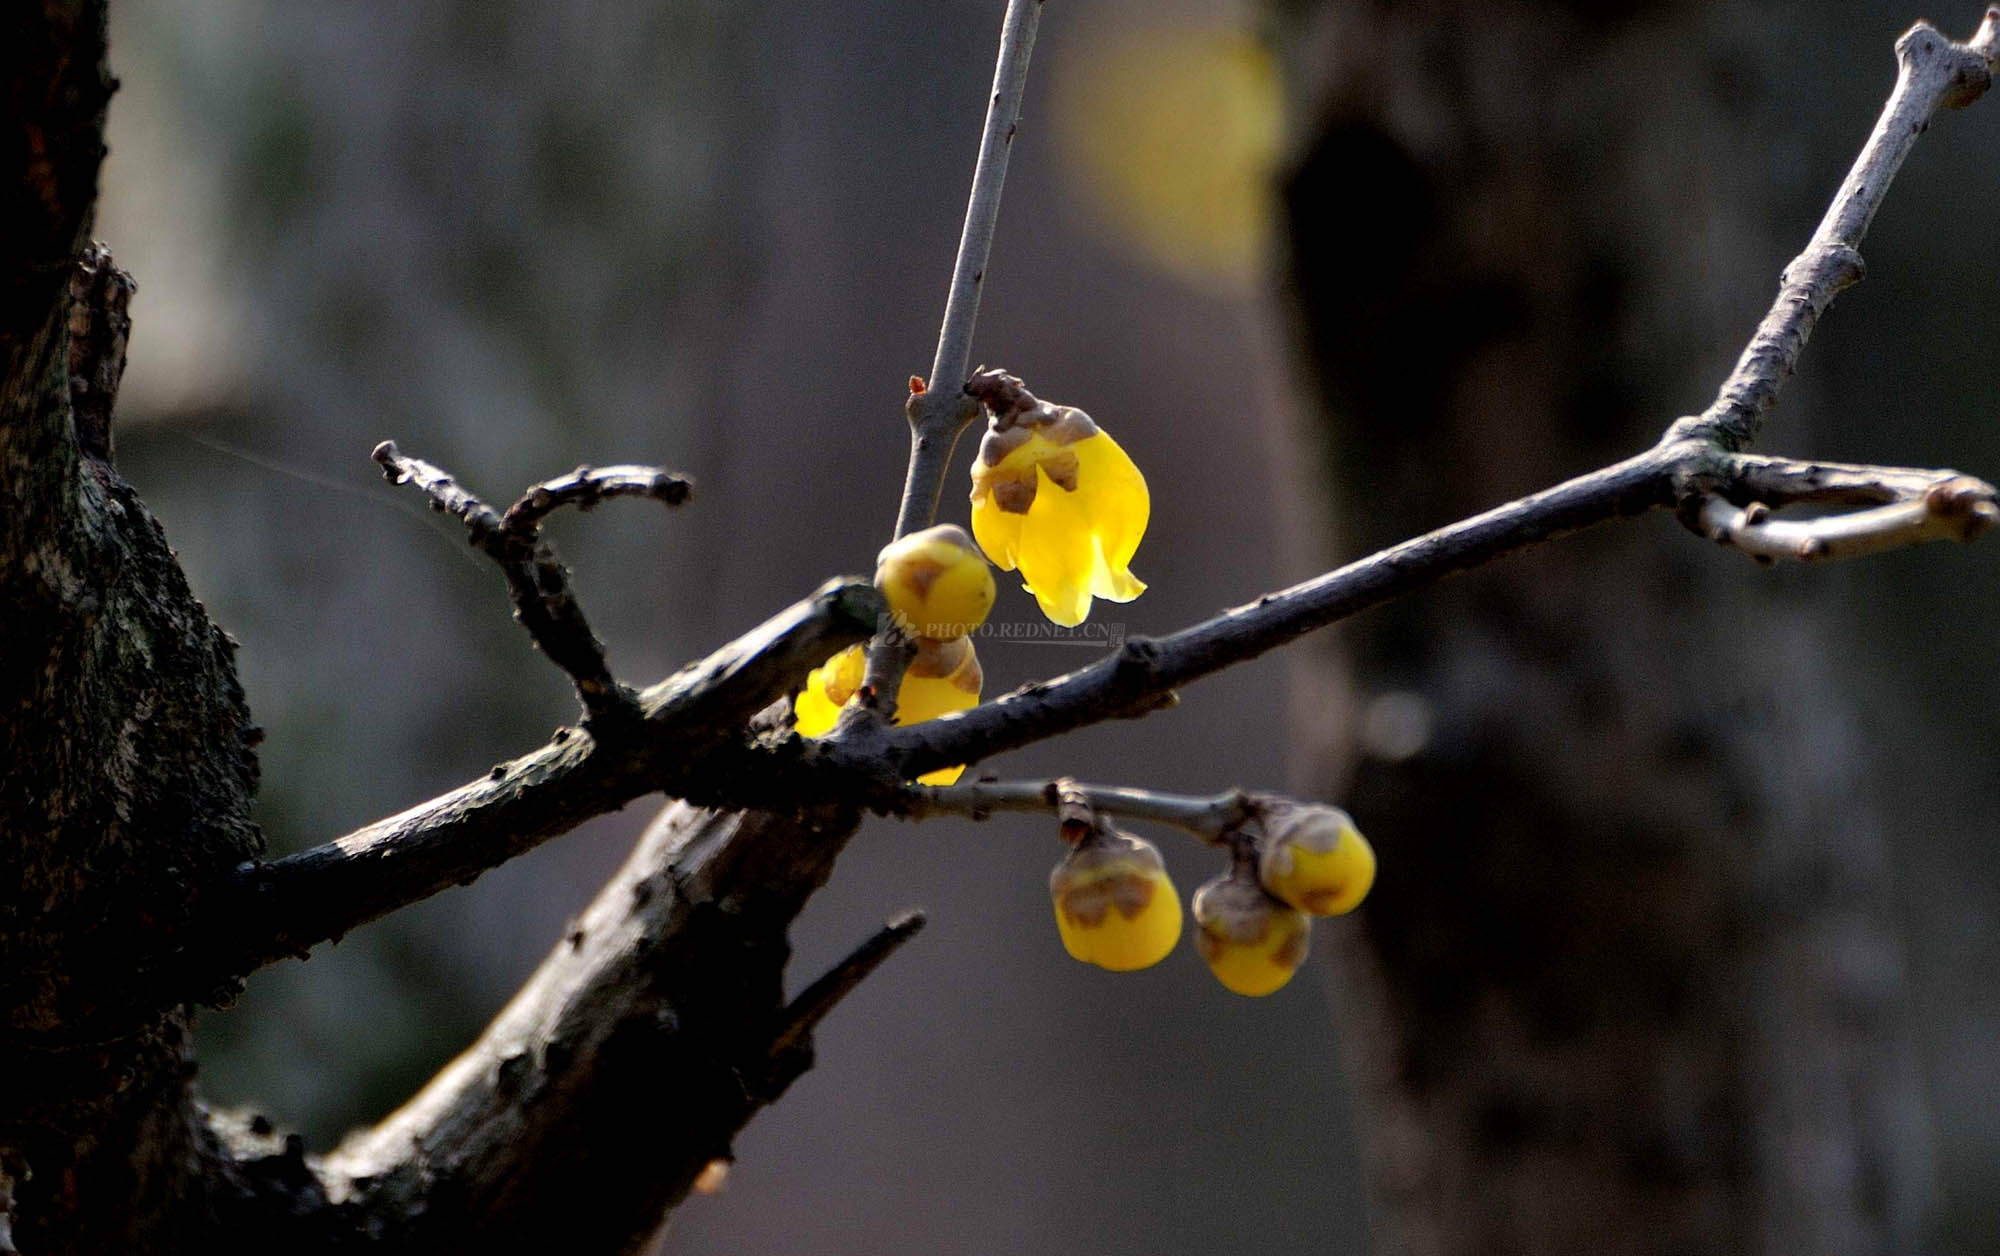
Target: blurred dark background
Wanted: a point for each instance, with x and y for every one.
(516, 237)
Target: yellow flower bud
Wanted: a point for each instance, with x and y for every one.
(937, 582)
(1055, 496)
(944, 677)
(1252, 942)
(1314, 858)
(1115, 906)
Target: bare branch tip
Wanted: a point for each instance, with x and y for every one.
(805, 1012)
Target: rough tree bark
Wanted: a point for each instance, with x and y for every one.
(1627, 984)
(125, 748)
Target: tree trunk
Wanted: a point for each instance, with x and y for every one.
(125, 762)
(1626, 984)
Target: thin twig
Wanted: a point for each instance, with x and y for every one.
(584, 487)
(1781, 482)
(804, 1013)
(940, 412)
(1207, 817)
(536, 581)
(1932, 73)
(1956, 509)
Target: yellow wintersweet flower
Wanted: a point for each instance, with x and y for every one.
(1252, 942)
(944, 677)
(828, 688)
(1315, 859)
(937, 582)
(1055, 496)
(1115, 906)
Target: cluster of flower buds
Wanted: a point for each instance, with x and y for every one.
(1116, 907)
(939, 589)
(1292, 861)
(1055, 496)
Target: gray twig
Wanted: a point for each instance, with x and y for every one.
(1932, 73)
(940, 411)
(1140, 676)
(1954, 508)
(1207, 817)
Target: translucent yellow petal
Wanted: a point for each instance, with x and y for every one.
(814, 713)
(925, 699)
(1116, 502)
(1059, 558)
(998, 531)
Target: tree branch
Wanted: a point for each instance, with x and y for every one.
(657, 1023)
(536, 578)
(804, 1013)
(940, 412)
(1957, 508)
(585, 487)
(1205, 817)
(1140, 676)
(1932, 73)
(270, 911)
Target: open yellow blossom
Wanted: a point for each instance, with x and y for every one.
(1115, 905)
(937, 582)
(1314, 858)
(1055, 496)
(1252, 942)
(944, 677)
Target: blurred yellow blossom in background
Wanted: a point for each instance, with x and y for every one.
(1172, 135)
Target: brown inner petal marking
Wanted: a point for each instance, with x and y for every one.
(1320, 902)
(1292, 951)
(1132, 895)
(922, 573)
(938, 659)
(1088, 904)
(1209, 945)
(1014, 496)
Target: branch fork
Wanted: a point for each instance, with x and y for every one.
(536, 578)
